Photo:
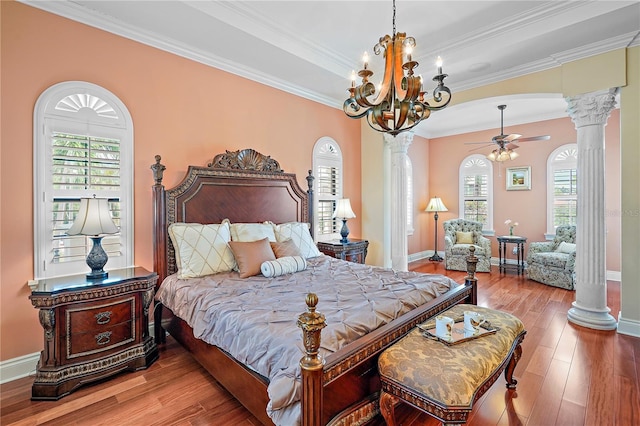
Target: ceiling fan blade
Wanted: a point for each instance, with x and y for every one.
(535, 138)
(512, 146)
(481, 147)
(478, 143)
(511, 137)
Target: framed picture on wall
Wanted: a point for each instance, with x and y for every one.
(519, 178)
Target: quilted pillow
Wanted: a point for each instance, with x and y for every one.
(283, 265)
(566, 247)
(201, 249)
(285, 248)
(298, 232)
(464, 237)
(251, 231)
(250, 255)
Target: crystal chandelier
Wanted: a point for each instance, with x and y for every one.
(400, 103)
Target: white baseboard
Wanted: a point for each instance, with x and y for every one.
(25, 365)
(628, 326)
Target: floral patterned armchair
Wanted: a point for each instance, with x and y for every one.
(459, 235)
(553, 262)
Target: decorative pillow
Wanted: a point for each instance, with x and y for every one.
(285, 248)
(283, 265)
(201, 249)
(464, 237)
(298, 232)
(565, 247)
(250, 255)
(252, 231)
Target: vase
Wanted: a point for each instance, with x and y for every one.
(511, 230)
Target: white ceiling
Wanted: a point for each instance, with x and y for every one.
(310, 47)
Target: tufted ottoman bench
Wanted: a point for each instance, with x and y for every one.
(445, 380)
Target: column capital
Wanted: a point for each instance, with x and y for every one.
(399, 143)
(593, 108)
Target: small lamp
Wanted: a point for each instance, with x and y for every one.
(343, 211)
(94, 219)
(436, 205)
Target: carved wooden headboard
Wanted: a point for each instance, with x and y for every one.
(242, 186)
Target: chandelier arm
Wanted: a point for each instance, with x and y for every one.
(437, 97)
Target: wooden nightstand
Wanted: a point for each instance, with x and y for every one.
(92, 329)
(354, 250)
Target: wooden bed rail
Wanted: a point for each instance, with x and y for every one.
(312, 364)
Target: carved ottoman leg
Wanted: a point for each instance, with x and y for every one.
(508, 372)
(387, 403)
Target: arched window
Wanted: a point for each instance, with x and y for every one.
(476, 190)
(83, 145)
(327, 169)
(562, 187)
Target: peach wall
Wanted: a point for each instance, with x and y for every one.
(528, 208)
(419, 154)
(185, 111)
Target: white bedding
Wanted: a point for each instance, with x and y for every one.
(254, 319)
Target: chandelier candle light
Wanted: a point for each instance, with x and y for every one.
(510, 225)
(400, 104)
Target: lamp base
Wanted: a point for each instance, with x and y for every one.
(344, 232)
(96, 259)
(436, 258)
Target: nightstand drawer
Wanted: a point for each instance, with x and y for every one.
(92, 317)
(107, 338)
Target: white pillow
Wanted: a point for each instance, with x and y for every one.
(247, 232)
(565, 247)
(201, 249)
(298, 232)
(283, 265)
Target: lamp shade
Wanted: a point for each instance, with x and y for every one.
(343, 209)
(436, 205)
(93, 218)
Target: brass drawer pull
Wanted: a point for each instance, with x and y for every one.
(103, 338)
(103, 317)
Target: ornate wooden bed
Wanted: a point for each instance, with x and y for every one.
(246, 186)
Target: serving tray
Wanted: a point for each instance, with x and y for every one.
(458, 332)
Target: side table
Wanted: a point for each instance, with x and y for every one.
(502, 249)
(354, 250)
(92, 329)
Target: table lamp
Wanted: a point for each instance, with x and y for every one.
(94, 220)
(343, 211)
(436, 205)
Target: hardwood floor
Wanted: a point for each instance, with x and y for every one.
(568, 375)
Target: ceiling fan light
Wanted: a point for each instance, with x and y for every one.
(492, 156)
(513, 155)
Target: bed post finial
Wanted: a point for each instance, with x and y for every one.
(310, 180)
(472, 261)
(157, 170)
(311, 365)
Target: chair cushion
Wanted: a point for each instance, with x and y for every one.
(550, 259)
(566, 247)
(464, 237)
(463, 249)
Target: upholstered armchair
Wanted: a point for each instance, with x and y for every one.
(459, 235)
(553, 262)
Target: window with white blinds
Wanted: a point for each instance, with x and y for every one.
(82, 163)
(562, 190)
(476, 183)
(83, 141)
(327, 165)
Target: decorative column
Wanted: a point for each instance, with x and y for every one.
(398, 146)
(590, 112)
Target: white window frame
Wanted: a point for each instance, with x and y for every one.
(473, 165)
(327, 153)
(563, 157)
(103, 114)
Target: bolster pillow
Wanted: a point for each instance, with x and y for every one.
(283, 265)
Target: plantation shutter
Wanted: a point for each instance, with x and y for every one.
(82, 164)
(476, 195)
(565, 199)
(328, 186)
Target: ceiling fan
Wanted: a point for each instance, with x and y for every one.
(507, 143)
